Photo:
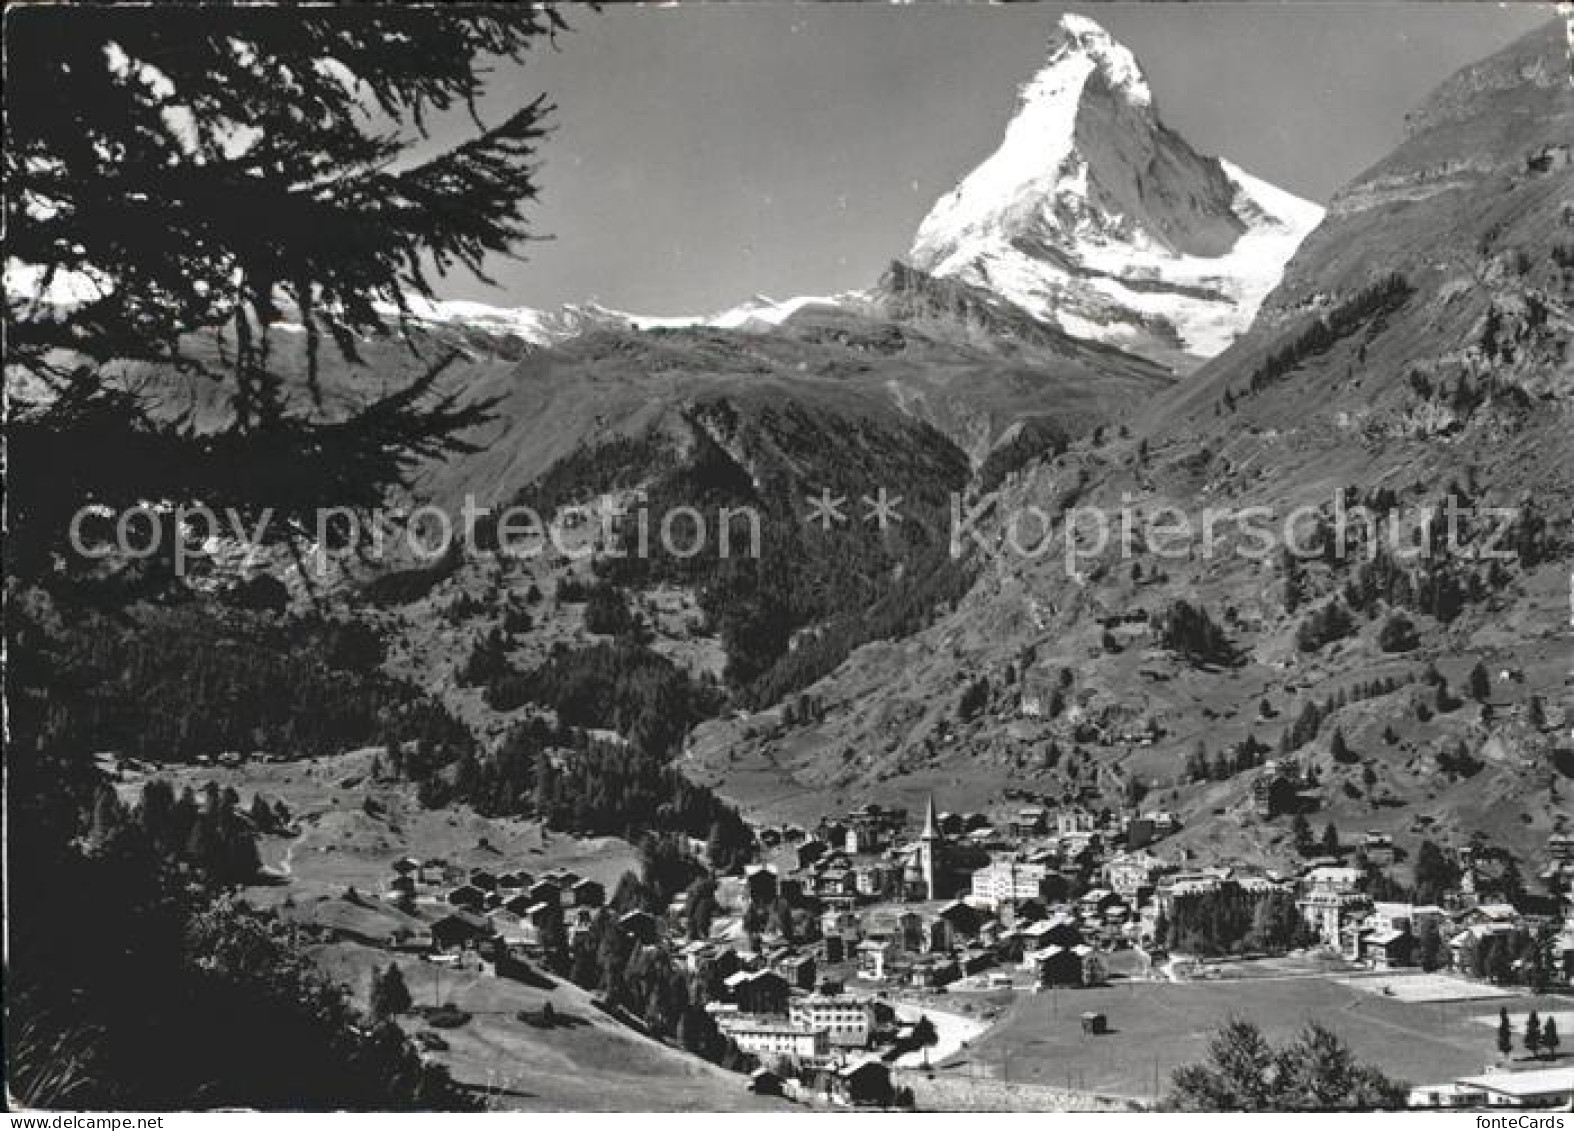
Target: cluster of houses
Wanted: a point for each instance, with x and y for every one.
(512, 908)
(806, 951)
(1387, 935)
(1040, 897)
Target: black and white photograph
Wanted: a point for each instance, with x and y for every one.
(788, 558)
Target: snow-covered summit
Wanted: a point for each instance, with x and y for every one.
(1094, 216)
(546, 327)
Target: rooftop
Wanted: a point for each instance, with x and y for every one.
(1536, 1082)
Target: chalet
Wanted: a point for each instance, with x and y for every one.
(1061, 930)
(481, 878)
(544, 891)
(519, 904)
(1096, 900)
(1378, 847)
(511, 928)
(1164, 822)
(1029, 821)
(866, 1083)
(877, 880)
(1560, 847)
(760, 885)
(1073, 822)
(731, 894)
(539, 915)
(460, 929)
(760, 991)
(721, 961)
(638, 925)
(1027, 911)
(1563, 957)
(513, 881)
(934, 973)
(467, 896)
(835, 882)
(845, 924)
(799, 970)
(873, 957)
(810, 851)
(764, 1082)
(961, 920)
(1130, 873)
(1274, 793)
(1387, 949)
(588, 893)
(1066, 966)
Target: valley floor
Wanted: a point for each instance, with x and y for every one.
(1156, 1027)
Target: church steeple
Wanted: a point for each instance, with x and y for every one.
(928, 848)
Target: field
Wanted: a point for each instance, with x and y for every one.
(584, 1062)
(1157, 1027)
(351, 829)
(1420, 988)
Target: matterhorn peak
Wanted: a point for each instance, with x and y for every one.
(1093, 216)
(1074, 34)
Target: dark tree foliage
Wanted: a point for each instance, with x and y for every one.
(621, 686)
(389, 995)
(605, 789)
(1314, 1072)
(1324, 626)
(845, 586)
(182, 180)
(195, 1002)
(650, 985)
(1232, 920)
(1367, 305)
(1190, 631)
(1036, 439)
(218, 170)
(173, 684)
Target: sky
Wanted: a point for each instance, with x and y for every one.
(706, 153)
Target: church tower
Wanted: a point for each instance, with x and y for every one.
(928, 848)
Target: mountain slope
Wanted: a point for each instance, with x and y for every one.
(1417, 350)
(1094, 216)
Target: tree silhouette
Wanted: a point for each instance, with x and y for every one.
(217, 172)
(1314, 1072)
(390, 996)
(1533, 1034)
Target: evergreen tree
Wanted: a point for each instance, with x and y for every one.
(1301, 834)
(389, 994)
(1533, 1034)
(217, 170)
(1549, 1037)
(1331, 839)
(1480, 683)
